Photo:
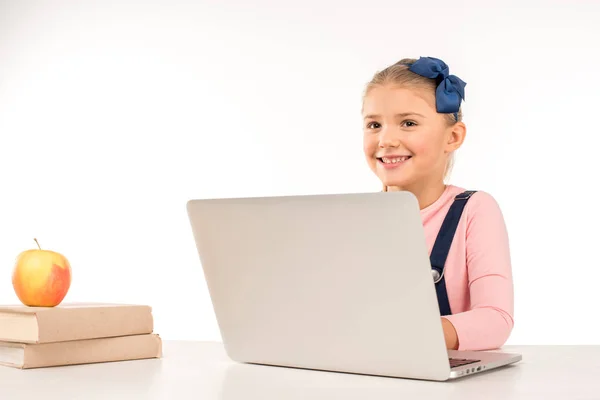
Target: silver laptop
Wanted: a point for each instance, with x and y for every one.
(333, 282)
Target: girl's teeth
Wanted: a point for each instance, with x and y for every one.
(394, 160)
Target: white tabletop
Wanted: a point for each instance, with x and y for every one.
(201, 370)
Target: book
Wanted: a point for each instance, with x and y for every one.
(73, 321)
(87, 351)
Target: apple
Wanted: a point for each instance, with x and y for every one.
(41, 278)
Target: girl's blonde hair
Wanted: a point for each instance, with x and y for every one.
(399, 74)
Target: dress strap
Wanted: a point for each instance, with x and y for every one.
(442, 245)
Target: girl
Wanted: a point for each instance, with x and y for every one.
(412, 127)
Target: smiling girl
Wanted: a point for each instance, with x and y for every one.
(412, 127)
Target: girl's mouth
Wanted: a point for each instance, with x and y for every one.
(393, 161)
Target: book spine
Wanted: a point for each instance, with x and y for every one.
(90, 323)
(124, 348)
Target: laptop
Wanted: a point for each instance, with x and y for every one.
(330, 282)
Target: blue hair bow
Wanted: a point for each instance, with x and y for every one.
(450, 90)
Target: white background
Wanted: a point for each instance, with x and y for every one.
(114, 113)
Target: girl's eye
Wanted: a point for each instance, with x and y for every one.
(409, 124)
(373, 125)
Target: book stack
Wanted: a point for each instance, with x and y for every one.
(76, 333)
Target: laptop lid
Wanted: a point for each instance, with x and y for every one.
(338, 282)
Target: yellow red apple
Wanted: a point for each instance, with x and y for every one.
(41, 278)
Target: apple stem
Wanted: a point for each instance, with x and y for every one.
(37, 243)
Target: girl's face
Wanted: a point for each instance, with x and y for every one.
(406, 141)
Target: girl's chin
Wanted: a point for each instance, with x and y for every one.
(395, 179)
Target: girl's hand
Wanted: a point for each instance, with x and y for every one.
(450, 335)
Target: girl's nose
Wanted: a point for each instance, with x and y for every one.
(388, 138)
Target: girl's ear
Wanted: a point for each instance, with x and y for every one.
(456, 136)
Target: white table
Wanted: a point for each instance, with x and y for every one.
(202, 371)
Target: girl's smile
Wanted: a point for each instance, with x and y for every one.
(392, 161)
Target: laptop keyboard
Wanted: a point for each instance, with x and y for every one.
(459, 362)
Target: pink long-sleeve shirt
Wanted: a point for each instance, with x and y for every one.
(478, 270)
